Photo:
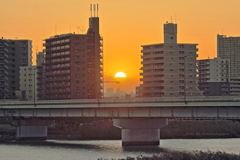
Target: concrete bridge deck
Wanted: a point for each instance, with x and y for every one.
(140, 119)
(193, 108)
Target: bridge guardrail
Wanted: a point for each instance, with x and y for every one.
(123, 100)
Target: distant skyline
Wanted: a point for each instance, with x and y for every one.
(124, 25)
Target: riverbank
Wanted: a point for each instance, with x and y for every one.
(196, 155)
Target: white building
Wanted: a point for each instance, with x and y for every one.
(229, 48)
(169, 68)
(214, 76)
(28, 82)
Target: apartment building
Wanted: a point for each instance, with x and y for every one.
(28, 82)
(74, 64)
(13, 55)
(229, 48)
(214, 76)
(40, 76)
(169, 69)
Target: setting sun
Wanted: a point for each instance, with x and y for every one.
(120, 74)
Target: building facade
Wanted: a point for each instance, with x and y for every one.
(28, 82)
(234, 86)
(13, 55)
(41, 76)
(74, 64)
(4, 88)
(214, 76)
(169, 69)
(229, 48)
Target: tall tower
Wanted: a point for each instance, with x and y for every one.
(170, 33)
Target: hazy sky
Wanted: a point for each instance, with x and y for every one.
(124, 24)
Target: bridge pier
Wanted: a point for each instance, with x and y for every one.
(140, 131)
(32, 129)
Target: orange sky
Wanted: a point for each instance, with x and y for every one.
(125, 26)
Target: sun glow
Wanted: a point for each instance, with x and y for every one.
(120, 74)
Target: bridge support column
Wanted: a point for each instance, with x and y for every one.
(32, 129)
(140, 131)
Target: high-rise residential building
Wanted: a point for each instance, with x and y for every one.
(169, 69)
(40, 75)
(28, 82)
(229, 48)
(4, 90)
(13, 55)
(74, 64)
(214, 76)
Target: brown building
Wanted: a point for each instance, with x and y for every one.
(74, 64)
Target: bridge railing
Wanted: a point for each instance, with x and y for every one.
(123, 100)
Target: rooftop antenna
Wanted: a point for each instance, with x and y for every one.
(91, 9)
(70, 29)
(94, 9)
(171, 19)
(82, 29)
(78, 27)
(97, 10)
(222, 31)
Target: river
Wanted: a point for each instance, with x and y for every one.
(92, 150)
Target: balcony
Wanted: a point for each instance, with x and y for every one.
(152, 85)
(151, 79)
(152, 67)
(158, 61)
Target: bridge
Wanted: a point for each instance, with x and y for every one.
(139, 118)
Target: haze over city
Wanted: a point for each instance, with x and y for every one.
(124, 25)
